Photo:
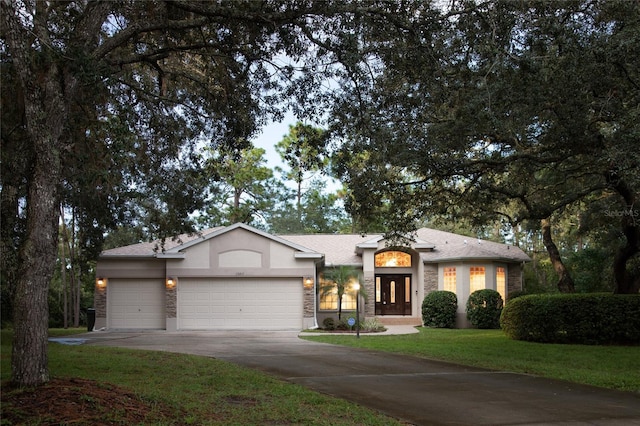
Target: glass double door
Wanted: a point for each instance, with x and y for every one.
(393, 294)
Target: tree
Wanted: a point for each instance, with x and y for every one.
(318, 212)
(339, 279)
(303, 150)
(111, 101)
(244, 189)
(502, 112)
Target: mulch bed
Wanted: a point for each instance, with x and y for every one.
(78, 401)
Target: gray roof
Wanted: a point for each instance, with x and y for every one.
(150, 249)
(340, 249)
(449, 246)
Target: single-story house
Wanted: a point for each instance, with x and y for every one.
(239, 277)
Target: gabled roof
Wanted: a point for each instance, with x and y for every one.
(174, 247)
(433, 245)
(338, 249)
(152, 248)
(227, 229)
(374, 242)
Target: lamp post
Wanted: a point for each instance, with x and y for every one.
(356, 287)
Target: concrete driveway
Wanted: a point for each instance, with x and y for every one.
(415, 390)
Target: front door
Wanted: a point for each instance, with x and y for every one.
(393, 294)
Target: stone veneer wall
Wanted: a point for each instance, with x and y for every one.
(370, 291)
(430, 278)
(514, 278)
(100, 301)
(309, 302)
(171, 300)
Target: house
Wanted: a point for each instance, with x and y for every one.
(239, 277)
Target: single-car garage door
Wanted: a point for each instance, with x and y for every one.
(136, 304)
(238, 303)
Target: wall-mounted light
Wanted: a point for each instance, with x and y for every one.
(308, 282)
(101, 282)
(171, 283)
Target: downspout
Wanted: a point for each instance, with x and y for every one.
(315, 294)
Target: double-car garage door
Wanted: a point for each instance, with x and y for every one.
(208, 304)
(240, 303)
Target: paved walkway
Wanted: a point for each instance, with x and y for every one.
(390, 329)
(415, 390)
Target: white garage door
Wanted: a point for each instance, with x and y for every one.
(234, 303)
(136, 304)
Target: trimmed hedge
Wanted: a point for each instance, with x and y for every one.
(439, 309)
(484, 308)
(590, 319)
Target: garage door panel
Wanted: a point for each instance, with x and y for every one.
(240, 304)
(136, 304)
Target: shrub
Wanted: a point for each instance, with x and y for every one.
(593, 318)
(329, 323)
(439, 309)
(371, 325)
(513, 294)
(484, 308)
(343, 325)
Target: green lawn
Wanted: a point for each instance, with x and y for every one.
(614, 367)
(206, 391)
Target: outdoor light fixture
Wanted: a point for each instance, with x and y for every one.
(101, 282)
(308, 282)
(171, 283)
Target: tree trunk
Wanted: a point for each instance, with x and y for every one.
(565, 282)
(626, 281)
(63, 280)
(75, 273)
(37, 262)
(45, 115)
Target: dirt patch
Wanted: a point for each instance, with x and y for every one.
(79, 401)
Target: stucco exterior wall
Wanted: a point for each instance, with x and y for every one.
(240, 253)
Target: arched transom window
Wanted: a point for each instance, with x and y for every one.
(393, 259)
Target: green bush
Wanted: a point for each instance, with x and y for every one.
(329, 324)
(591, 319)
(439, 309)
(484, 308)
(343, 325)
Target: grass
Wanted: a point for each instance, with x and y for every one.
(613, 367)
(213, 392)
(205, 390)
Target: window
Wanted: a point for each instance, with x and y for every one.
(393, 259)
(329, 298)
(450, 279)
(407, 289)
(501, 282)
(476, 278)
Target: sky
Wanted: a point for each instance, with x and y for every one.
(273, 133)
(270, 136)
